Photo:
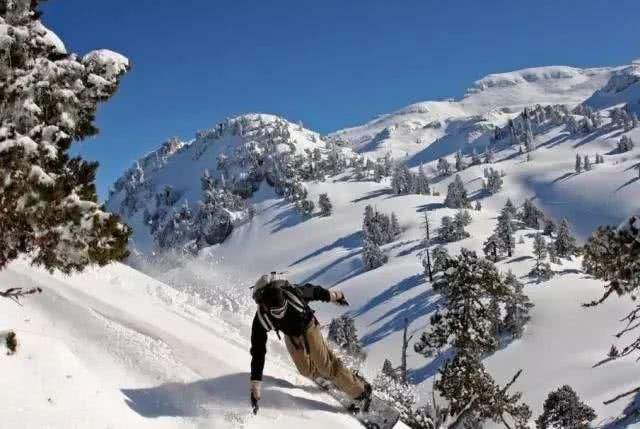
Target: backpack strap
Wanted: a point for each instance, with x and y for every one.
(295, 300)
(264, 320)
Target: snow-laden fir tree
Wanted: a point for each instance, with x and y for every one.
(402, 180)
(394, 226)
(578, 166)
(460, 165)
(48, 97)
(587, 163)
(453, 229)
(505, 232)
(456, 195)
(541, 270)
(549, 227)
(565, 243)
(517, 307)
(493, 248)
(465, 324)
(421, 183)
(343, 333)
(563, 409)
(510, 208)
(372, 256)
(324, 203)
(531, 216)
(444, 167)
(441, 259)
(494, 181)
(625, 144)
(377, 227)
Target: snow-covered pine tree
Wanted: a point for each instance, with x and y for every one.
(421, 185)
(493, 247)
(324, 203)
(456, 195)
(343, 333)
(505, 232)
(510, 208)
(441, 259)
(625, 144)
(565, 243)
(516, 307)
(578, 166)
(372, 255)
(541, 270)
(49, 98)
(549, 227)
(475, 158)
(394, 226)
(459, 161)
(402, 180)
(586, 163)
(444, 167)
(452, 229)
(494, 181)
(531, 216)
(563, 409)
(465, 324)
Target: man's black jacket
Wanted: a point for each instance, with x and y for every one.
(292, 324)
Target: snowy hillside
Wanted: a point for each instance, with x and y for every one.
(113, 348)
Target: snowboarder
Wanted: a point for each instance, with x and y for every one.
(284, 307)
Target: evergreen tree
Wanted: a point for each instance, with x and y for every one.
(625, 144)
(494, 181)
(441, 259)
(372, 255)
(578, 163)
(389, 371)
(510, 208)
(493, 247)
(421, 185)
(426, 262)
(505, 232)
(444, 167)
(325, 205)
(466, 324)
(565, 243)
(549, 227)
(587, 163)
(516, 308)
(531, 216)
(563, 409)
(343, 333)
(542, 270)
(459, 162)
(49, 98)
(395, 226)
(456, 195)
(452, 229)
(402, 180)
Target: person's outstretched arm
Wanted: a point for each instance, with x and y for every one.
(312, 292)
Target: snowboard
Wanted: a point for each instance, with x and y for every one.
(381, 414)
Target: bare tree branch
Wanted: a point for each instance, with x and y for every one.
(622, 395)
(15, 293)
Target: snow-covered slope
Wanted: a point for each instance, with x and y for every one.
(114, 348)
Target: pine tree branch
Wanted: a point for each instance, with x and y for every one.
(622, 395)
(15, 293)
(601, 300)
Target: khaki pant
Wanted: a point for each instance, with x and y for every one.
(319, 361)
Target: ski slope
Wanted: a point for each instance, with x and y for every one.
(114, 348)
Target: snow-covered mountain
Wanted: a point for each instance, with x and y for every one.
(428, 130)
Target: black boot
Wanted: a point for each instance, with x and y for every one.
(364, 400)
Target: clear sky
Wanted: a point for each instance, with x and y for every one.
(329, 63)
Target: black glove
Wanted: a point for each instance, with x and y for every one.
(337, 297)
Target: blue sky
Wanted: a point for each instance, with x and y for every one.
(330, 63)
